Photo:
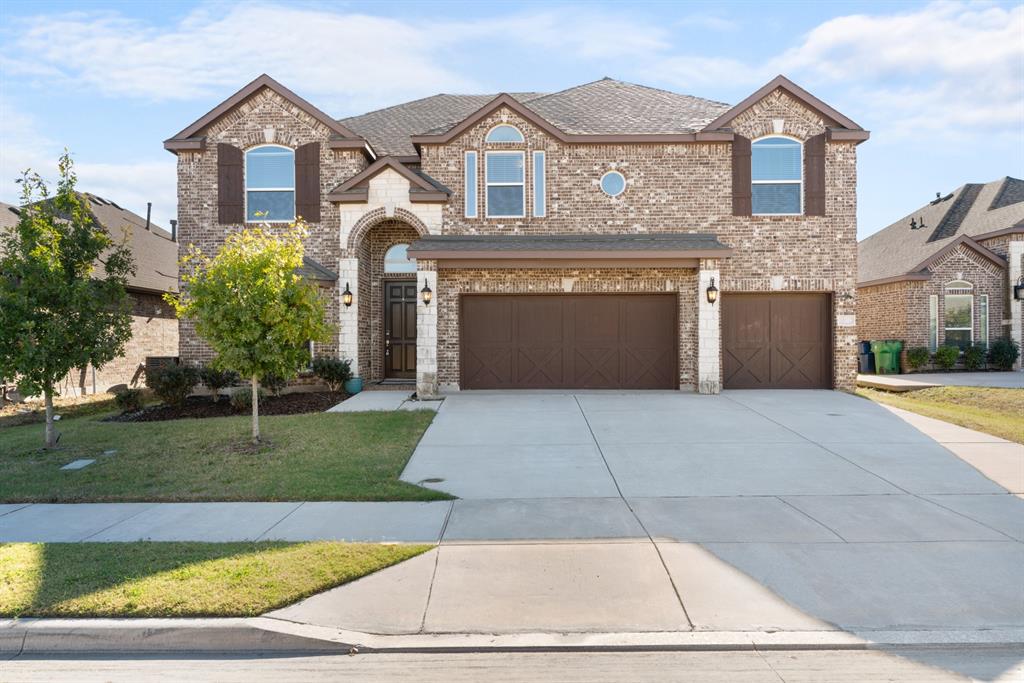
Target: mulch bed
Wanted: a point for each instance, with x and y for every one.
(197, 407)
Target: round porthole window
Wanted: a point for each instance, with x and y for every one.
(613, 183)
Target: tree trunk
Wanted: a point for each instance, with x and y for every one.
(51, 433)
(255, 410)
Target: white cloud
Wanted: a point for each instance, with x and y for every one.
(131, 185)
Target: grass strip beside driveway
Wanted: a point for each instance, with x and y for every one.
(146, 579)
(999, 412)
(318, 456)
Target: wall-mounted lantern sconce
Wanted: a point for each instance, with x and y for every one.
(426, 293)
(346, 296)
(1018, 289)
(712, 292)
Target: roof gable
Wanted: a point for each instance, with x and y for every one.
(189, 137)
(421, 186)
(833, 118)
(964, 241)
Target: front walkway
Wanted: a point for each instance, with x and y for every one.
(925, 380)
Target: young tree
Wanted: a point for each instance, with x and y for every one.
(57, 312)
(251, 306)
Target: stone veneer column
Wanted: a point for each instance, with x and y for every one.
(1015, 255)
(709, 331)
(426, 336)
(348, 317)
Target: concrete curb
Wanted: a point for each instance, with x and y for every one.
(31, 637)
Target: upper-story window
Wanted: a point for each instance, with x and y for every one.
(270, 184)
(505, 177)
(776, 172)
(396, 260)
(504, 133)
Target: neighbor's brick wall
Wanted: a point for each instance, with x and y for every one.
(154, 333)
(899, 310)
(263, 118)
(684, 188)
(452, 284)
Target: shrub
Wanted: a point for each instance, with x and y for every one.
(974, 357)
(947, 356)
(275, 384)
(215, 379)
(172, 383)
(333, 371)
(918, 357)
(241, 400)
(1003, 353)
(128, 400)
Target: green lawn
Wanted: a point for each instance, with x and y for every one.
(317, 456)
(178, 579)
(999, 412)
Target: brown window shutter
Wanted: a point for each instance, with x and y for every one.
(814, 176)
(230, 185)
(741, 203)
(307, 182)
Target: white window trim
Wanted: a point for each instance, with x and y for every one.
(476, 183)
(246, 190)
(488, 183)
(780, 182)
(957, 329)
(521, 140)
(543, 175)
(933, 323)
(600, 183)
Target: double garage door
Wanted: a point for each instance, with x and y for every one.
(581, 341)
(606, 341)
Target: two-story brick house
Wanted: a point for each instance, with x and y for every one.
(605, 236)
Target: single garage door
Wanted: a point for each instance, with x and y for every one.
(776, 341)
(569, 342)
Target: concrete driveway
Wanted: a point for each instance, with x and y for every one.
(798, 510)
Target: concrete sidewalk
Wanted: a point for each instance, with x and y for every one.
(925, 380)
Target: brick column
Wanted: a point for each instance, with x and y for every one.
(1015, 255)
(709, 331)
(348, 317)
(426, 336)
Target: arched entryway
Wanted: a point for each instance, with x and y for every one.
(387, 298)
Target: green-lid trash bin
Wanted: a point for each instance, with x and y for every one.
(882, 356)
(895, 349)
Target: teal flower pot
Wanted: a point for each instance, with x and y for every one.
(354, 385)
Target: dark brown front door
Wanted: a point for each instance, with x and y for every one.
(776, 341)
(400, 328)
(582, 341)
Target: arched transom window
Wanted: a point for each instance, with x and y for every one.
(504, 133)
(270, 184)
(776, 174)
(396, 260)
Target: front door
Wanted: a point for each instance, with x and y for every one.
(400, 329)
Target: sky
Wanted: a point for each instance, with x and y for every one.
(940, 85)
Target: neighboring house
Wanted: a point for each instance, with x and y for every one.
(944, 274)
(154, 325)
(567, 240)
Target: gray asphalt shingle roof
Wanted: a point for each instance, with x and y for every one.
(156, 256)
(604, 107)
(972, 210)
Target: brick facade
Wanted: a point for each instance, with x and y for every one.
(154, 333)
(900, 310)
(262, 119)
(684, 187)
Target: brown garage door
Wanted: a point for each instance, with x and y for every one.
(569, 342)
(776, 341)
